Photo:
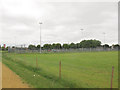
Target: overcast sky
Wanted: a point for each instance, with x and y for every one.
(62, 22)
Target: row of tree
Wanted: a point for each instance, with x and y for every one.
(82, 44)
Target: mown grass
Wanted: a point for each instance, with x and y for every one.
(79, 70)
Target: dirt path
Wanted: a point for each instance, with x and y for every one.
(0, 74)
(10, 79)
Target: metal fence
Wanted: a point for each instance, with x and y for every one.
(25, 50)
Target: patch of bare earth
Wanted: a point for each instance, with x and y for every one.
(10, 79)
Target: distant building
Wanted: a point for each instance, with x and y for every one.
(4, 45)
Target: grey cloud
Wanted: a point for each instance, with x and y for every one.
(61, 22)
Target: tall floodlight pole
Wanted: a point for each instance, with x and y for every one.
(104, 36)
(81, 31)
(40, 35)
(15, 44)
(104, 39)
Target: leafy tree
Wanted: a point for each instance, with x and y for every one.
(106, 46)
(72, 45)
(31, 47)
(6, 48)
(58, 46)
(65, 46)
(47, 46)
(50, 46)
(78, 45)
(53, 46)
(3, 48)
(116, 46)
(90, 43)
(13, 46)
(38, 46)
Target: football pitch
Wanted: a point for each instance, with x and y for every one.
(78, 70)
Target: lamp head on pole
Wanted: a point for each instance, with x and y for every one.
(81, 29)
(40, 22)
(104, 33)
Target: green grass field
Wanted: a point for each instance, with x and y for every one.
(79, 70)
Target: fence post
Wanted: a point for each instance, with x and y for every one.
(112, 76)
(60, 70)
(14, 55)
(36, 62)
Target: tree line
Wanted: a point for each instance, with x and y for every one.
(83, 44)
